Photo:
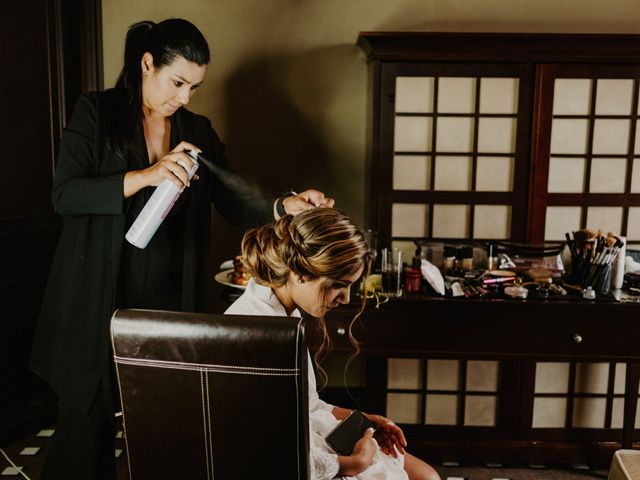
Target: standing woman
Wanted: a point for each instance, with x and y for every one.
(309, 263)
(118, 146)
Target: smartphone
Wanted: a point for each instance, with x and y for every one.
(347, 433)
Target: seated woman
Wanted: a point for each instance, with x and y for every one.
(309, 263)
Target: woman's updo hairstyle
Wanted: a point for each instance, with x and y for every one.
(321, 242)
(165, 41)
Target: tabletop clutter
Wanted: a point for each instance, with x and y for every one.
(590, 265)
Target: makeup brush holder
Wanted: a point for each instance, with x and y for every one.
(598, 277)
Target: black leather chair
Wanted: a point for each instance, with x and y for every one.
(212, 396)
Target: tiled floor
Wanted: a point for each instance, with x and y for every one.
(24, 459)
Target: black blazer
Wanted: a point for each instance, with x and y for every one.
(71, 347)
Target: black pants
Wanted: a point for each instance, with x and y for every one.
(84, 444)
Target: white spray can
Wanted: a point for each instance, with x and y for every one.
(157, 208)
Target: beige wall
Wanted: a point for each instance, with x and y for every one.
(286, 88)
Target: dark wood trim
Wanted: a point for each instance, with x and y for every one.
(540, 148)
(481, 450)
(91, 46)
(594, 199)
(56, 74)
(630, 402)
(452, 197)
(501, 47)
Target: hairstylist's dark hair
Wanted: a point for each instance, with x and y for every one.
(321, 242)
(165, 41)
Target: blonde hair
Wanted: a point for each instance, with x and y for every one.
(321, 242)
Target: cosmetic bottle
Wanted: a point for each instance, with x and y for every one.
(413, 276)
(459, 258)
(467, 258)
(491, 256)
(157, 208)
(449, 259)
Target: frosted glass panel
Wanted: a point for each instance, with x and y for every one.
(411, 172)
(456, 95)
(441, 409)
(549, 412)
(443, 374)
(588, 412)
(454, 134)
(409, 220)
(403, 407)
(636, 148)
(561, 220)
(552, 377)
(569, 136)
(492, 222)
(499, 95)
(566, 175)
(451, 221)
(412, 134)
(618, 413)
(610, 136)
(572, 96)
(453, 173)
(635, 176)
(633, 224)
(494, 174)
(497, 135)
(403, 373)
(414, 94)
(482, 376)
(613, 97)
(608, 175)
(592, 377)
(480, 411)
(621, 372)
(606, 219)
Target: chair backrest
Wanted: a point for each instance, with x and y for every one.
(212, 396)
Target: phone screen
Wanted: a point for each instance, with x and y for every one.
(347, 433)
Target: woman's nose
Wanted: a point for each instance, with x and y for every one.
(183, 97)
(344, 298)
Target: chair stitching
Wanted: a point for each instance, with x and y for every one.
(199, 366)
(297, 368)
(210, 431)
(124, 423)
(204, 423)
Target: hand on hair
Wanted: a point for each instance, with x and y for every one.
(305, 201)
(388, 435)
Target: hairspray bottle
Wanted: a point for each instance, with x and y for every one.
(157, 208)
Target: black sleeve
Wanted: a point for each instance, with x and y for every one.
(77, 188)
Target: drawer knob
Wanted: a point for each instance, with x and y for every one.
(577, 338)
(341, 331)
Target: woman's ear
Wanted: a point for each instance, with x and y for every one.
(146, 63)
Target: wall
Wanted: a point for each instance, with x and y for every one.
(287, 86)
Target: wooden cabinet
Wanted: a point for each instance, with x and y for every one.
(477, 380)
(517, 137)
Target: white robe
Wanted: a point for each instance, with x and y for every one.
(260, 300)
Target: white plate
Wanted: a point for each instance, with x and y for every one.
(223, 277)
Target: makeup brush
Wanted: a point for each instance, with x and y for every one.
(581, 237)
